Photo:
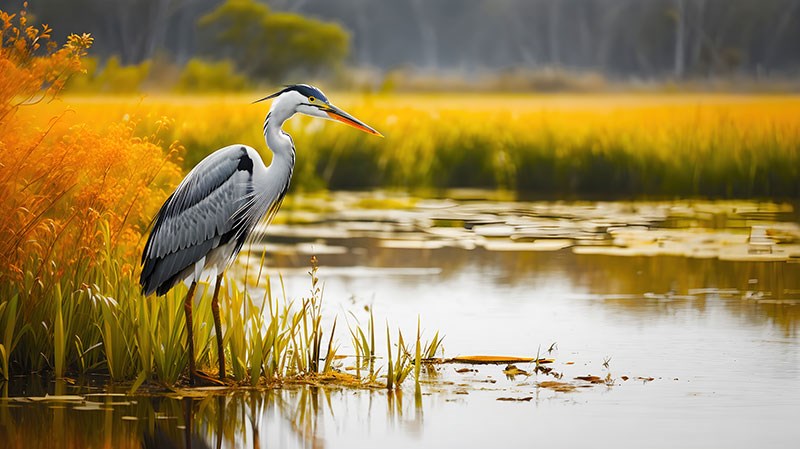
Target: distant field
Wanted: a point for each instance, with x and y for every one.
(600, 145)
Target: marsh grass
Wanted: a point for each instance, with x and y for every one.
(600, 145)
(401, 358)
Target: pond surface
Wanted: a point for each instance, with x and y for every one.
(687, 312)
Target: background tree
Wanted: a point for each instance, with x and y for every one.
(269, 45)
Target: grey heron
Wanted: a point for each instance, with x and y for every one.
(203, 225)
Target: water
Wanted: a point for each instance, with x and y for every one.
(696, 304)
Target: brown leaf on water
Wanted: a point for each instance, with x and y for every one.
(590, 378)
(624, 377)
(465, 370)
(646, 379)
(556, 386)
(569, 363)
(525, 399)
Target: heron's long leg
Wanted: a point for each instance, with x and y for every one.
(187, 309)
(218, 327)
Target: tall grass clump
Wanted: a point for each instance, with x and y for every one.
(280, 338)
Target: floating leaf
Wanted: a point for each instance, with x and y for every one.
(592, 379)
(556, 386)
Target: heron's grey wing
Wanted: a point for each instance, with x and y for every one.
(198, 217)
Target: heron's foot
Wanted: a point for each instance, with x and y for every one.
(201, 379)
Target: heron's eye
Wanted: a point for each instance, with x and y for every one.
(311, 99)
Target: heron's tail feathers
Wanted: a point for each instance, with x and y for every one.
(160, 274)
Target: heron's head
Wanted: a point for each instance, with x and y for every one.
(311, 101)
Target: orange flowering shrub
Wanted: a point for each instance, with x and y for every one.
(57, 184)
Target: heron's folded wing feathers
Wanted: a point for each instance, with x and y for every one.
(197, 216)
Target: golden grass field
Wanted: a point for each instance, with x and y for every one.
(556, 145)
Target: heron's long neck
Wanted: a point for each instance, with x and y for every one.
(280, 144)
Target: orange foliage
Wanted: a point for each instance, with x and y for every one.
(59, 184)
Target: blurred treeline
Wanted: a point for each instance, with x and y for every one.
(430, 44)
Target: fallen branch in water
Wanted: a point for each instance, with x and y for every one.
(490, 360)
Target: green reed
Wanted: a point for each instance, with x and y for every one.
(364, 348)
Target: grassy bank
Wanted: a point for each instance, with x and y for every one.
(655, 145)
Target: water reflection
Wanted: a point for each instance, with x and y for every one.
(233, 420)
(291, 417)
(764, 292)
(744, 253)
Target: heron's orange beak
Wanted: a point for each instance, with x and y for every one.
(341, 116)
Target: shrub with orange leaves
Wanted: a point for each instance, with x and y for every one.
(74, 200)
(55, 185)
